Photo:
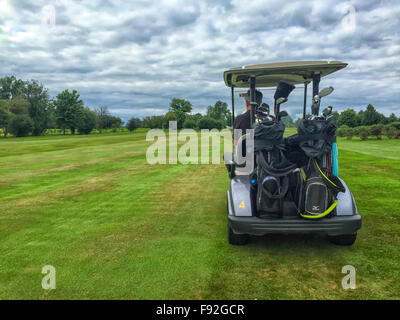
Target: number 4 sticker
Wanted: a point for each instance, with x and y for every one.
(241, 205)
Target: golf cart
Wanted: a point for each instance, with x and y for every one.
(293, 185)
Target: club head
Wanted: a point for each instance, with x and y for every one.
(325, 92)
(316, 99)
(282, 114)
(264, 108)
(281, 100)
(327, 111)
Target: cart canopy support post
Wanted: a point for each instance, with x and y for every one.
(233, 104)
(252, 99)
(305, 100)
(316, 80)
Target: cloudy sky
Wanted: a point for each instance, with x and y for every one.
(134, 56)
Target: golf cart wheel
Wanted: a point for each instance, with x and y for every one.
(344, 239)
(237, 239)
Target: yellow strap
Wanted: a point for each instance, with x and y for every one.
(329, 210)
(303, 174)
(323, 173)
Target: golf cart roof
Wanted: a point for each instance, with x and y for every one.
(268, 74)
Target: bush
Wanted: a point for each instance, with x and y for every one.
(210, 123)
(21, 126)
(349, 133)
(345, 131)
(341, 132)
(189, 124)
(391, 132)
(395, 124)
(377, 130)
(363, 133)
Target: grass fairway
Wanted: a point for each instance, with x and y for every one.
(116, 227)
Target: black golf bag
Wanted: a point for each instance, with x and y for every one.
(317, 187)
(271, 176)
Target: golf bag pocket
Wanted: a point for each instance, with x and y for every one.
(316, 198)
(270, 193)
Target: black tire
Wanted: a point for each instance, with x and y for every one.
(237, 239)
(343, 240)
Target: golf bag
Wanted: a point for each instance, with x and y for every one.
(317, 190)
(272, 168)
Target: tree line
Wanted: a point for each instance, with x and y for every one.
(366, 123)
(27, 109)
(217, 116)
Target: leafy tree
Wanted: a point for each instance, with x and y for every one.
(335, 116)
(220, 111)
(181, 108)
(154, 122)
(18, 106)
(169, 116)
(348, 117)
(40, 109)
(371, 116)
(21, 125)
(196, 117)
(5, 116)
(87, 122)
(189, 124)
(133, 124)
(11, 87)
(69, 109)
(360, 117)
(115, 123)
(392, 118)
(9, 110)
(103, 118)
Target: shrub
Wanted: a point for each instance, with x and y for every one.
(363, 133)
(391, 132)
(189, 124)
(210, 123)
(21, 126)
(341, 132)
(349, 133)
(377, 130)
(395, 124)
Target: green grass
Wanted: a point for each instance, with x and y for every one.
(116, 227)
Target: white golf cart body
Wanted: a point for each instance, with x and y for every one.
(242, 218)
